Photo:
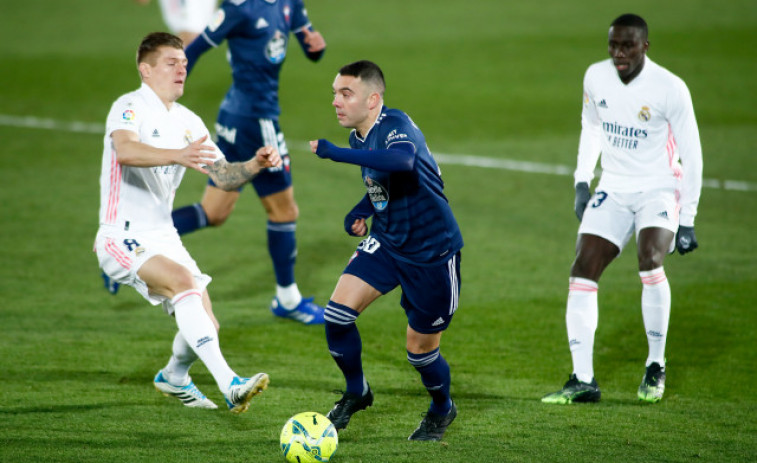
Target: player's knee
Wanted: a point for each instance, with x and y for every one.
(216, 217)
(182, 280)
(651, 261)
(284, 213)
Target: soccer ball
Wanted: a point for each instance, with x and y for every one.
(308, 437)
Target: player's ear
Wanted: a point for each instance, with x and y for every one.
(374, 99)
(144, 70)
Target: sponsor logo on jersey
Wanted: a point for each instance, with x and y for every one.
(217, 20)
(394, 136)
(128, 115)
(663, 214)
(287, 11)
(188, 136)
(276, 49)
(261, 24)
(439, 321)
(378, 195)
(621, 136)
(602, 104)
(645, 114)
(155, 133)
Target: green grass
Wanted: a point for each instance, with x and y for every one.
(485, 78)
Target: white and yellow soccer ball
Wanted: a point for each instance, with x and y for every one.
(308, 437)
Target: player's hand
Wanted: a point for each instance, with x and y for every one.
(686, 240)
(197, 155)
(314, 40)
(355, 227)
(582, 199)
(268, 156)
(314, 145)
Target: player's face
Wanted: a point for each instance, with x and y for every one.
(351, 100)
(167, 76)
(627, 47)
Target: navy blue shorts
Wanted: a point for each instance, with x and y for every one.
(240, 137)
(430, 294)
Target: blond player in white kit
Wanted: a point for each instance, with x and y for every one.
(186, 18)
(150, 140)
(640, 117)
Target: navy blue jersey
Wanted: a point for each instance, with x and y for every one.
(257, 32)
(412, 217)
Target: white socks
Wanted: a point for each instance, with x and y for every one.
(176, 371)
(581, 318)
(289, 296)
(582, 315)
(196, 327)
(655, 308)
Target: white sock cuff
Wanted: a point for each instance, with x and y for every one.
(184, 294)
(289, 296)
(653, 277)
(582, 284)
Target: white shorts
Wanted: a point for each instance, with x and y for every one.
(122, 253)
(616, 216)
(187, 15)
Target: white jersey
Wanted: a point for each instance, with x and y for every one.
(141, 198)
(187, 15)
(641, 129)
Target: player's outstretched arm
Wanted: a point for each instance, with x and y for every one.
(130, 151)
(395, 159)
(231, 175)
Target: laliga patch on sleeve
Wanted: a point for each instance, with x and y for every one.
(129, 116)
(217, 20)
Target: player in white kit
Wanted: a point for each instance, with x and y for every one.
(640, 117)
(150, 140)
(186, 18)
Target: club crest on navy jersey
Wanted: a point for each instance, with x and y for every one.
(378, 195)
(276, 49)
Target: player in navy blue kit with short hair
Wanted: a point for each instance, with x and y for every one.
(414, 243)
(257, 33)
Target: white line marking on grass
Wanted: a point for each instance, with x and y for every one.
(31, 122)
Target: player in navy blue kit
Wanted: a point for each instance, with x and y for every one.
(257, 33)
(414, 243)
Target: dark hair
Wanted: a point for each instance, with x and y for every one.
(155, 40)
(367, 71)
(632, 20)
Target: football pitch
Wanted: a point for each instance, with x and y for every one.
(496, 88)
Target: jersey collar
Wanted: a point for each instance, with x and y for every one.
(375, 123)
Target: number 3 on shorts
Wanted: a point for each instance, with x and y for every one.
(599, 198)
